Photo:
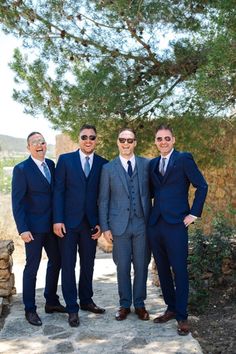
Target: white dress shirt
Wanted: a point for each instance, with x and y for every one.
(39, 164)
(124, 162)
(83, 159)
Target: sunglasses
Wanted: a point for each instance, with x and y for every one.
(129, 140)
(166, 138)
(86, 137)
(37, 142)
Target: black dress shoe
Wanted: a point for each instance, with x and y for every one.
(33, 318)
(92, 308)
(55, 308)
(73, 319)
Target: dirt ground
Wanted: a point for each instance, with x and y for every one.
(215, 329)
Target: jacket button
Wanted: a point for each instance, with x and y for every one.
(127, 209)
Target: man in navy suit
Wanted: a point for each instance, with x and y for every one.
(32, 187)
(76, 223)
(124, 204)
(171, 175)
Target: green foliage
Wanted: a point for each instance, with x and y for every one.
(124, 60)
(5, 174)
(205, 260)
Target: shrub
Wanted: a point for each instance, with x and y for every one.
(205, 260)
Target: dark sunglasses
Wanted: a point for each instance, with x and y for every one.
(166, 138)
(86, 137)
(129, 140)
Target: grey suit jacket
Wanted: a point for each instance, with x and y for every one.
(114, 202)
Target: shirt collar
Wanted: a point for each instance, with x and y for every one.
(38, 162)
(167, 157)
(83, 156)
(124, 161)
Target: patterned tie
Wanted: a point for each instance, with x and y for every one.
(130, 171)
(46, 171)
(162, 168)
(87, 166)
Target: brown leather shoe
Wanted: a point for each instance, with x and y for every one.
(92, 308)
(122, 313)
(183, 328)
(73, 319)
(167, 316)
(142, 313)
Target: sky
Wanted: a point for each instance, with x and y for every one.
(14, 122)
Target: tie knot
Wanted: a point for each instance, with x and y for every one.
(87, 158)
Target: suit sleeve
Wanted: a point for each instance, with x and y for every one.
(104, 199)
(198, 181)
(59, 191)
(19, 190)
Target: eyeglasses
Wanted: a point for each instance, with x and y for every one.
(37, 142)
(166, 138)
(129, 140)
(86, 137)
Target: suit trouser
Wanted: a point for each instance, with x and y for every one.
(33, 252)
(77, 240)
(169, 245)
(132, 247)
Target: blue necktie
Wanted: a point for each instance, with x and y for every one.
(86, 166)
(162, 168)
(130, 171)
(46, 171)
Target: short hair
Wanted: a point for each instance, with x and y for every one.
(129, 130)
(164, 127)
(88, 126)
(31, 134)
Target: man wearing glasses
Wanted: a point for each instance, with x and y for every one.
(32, 187)
(171, 175)
(75, 215)
(124, 205)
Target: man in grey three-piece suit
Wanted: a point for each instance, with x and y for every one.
(124, 204)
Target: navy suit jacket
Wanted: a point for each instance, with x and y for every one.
(75, 196)
(171, 191)
(32, 197)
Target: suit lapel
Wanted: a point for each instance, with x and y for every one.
(120, 170)
(155, 169)
(78, 166)
(172, 160)
(140, 172)
(94, 167)
(37, 172)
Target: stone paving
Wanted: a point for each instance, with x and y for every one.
(96, 333)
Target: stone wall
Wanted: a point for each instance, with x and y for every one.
(7, 280)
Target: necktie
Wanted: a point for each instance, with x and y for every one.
(46, 171)
(130, 171)
(162, 168)
(86, 166)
